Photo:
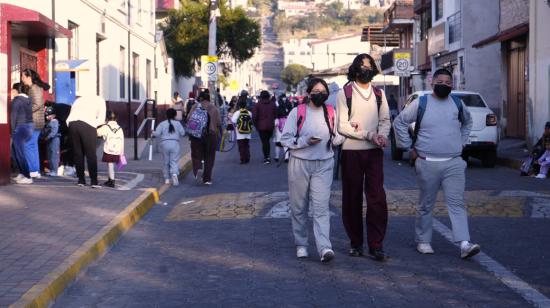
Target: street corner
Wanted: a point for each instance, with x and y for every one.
(223, 206)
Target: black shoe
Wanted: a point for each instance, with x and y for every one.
(355, 252)
(286, 160)
(110, 183)
(276, 160)
(378, 254)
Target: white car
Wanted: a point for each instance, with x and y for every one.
(483, 139)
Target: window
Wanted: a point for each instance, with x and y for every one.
(438, 9)
(148, 78)
(73, 41)
(425, 24)
(302, 53)
(291, 53)
(122, 72)
(455, 27)
(135, 76)
(139, 11)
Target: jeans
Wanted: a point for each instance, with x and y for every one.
(21, 135)
(31, 152)
(265, 136)
(53, 154)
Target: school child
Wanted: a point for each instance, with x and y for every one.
(113, 146)
(544, 160)
(170, 131)
(243, 120)
(52, 137)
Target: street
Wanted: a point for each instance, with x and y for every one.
(272, 56)
(230, 245)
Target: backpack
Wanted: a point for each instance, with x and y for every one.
(348, 91)
(114, 140)
(423, 101)
(301, 116)
(197, 126)
(244, 122)
(190, 103)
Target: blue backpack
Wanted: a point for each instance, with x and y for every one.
(423, 101)
(197, 126)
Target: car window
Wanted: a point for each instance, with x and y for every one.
(471, 100)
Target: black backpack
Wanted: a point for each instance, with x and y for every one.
(244, 122)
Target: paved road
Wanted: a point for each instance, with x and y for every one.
(272, 56)
(230, 245)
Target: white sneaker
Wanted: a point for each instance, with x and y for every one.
(301, 252)
(327, 255)
(541, 176)
(469, 250)
(425, 248)
(60, 170)
(24, 180)
(17, 178)
(208, 183)
(36, 175)
(167, 181)
(175, 181)
(70, 171)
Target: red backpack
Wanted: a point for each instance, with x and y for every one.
(301, 116)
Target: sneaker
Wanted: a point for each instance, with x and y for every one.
(17, 178)
(24, 180)
(267, 161)
(175, 181)
(60, 170)
(69, 171)
(301, 252)
(469, 250)
(425, 248)
(378, 254)
(110, 183)
(36, 175)
(541, 176)
(81, 184)
(96, 186)
(52, 174)
(355, 252)
(208, 183)
(327, 255)
(167, 181)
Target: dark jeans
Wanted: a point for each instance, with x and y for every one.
(363, 169)
(244, 150)
(204, 150)
(21, 136)
(265, 136)
(84, 139)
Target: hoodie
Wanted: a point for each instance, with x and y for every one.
(264, 114)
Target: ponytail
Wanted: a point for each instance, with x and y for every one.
(170, 126)
(36, 79)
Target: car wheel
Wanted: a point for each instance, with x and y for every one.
(396, 154)
(489, 159)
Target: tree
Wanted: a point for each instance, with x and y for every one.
(293, 74)
(186, 34)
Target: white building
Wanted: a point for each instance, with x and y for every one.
(347, 4)
(326, 54)
(294, 8)
(298, 52)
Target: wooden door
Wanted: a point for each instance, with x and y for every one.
(516, 107)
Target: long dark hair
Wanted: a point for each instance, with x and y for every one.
(170, 115)
(311, 83)
(36, 79)
(355, 67)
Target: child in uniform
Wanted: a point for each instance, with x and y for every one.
(113, 147)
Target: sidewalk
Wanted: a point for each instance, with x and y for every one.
(512, 152)
(52, 229)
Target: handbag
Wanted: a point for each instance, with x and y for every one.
(121, 162)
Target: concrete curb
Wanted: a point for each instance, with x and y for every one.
(54, 283)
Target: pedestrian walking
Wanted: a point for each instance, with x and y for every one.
(264, 113)
(442, 128)
(203, 125)
(178, 106)
(22, 127)
(170, 132)
(309, 133)
(243, 122)
(113, 145)
(36, 86)
(283, 109)
(52, 136)
(364, 120)
(87, 113)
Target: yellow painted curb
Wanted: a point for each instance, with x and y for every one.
(54, 283)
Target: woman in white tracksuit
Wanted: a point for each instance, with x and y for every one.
(310, 168)
(169, 132)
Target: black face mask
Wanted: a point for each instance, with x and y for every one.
(441, 90)
(365, 76)
(319, 99)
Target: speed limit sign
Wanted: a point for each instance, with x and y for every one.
(209, 68)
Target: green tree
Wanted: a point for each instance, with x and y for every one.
(186, 34)
(293, 74)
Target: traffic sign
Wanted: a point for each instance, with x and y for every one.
(209, 70)
(402, 64)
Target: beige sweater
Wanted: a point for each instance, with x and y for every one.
(364, 112)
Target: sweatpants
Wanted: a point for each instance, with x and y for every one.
(21, 136)
(171, 155)
(244, 150)
(31, 152)
(53, 154)
(450, 176)
(363, 170)
(265, 136)
(309, 183)
(204, 150)
(84, 140)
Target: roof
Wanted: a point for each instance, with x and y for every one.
(505, 35)
(335, 39)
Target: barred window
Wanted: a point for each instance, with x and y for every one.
(455, 27)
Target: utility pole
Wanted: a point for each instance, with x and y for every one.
(214, 14)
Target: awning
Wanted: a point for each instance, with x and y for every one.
(70, 66)
(505, 35)
(29, 23)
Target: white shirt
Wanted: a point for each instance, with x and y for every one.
(89, 109)
(234, 119)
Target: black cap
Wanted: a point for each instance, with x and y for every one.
(547, 125)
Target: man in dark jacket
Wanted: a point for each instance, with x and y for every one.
(263, 114)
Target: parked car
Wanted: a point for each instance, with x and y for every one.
(483, 140)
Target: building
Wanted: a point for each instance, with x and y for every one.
(330, 53)
(347, 4)
(294, 8)
(125, 59)
(236, 3)
(298, 51)
(511, 39)
(380, 3)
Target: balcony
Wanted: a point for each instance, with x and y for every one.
(375, 36)
(422, 57)
(399, 16)
(388, 60)
(420, 6)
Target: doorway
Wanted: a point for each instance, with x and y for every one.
(516, 107)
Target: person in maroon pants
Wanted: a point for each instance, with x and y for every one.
(364, 119)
